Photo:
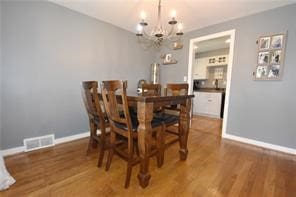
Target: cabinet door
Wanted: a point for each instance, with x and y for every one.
(206, 103)
(195, 101)
(200, 103)
(200, 69)
(214, 104)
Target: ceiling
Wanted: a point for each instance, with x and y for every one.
(212, 44)
(194, 14)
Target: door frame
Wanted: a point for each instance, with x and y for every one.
(230, 33)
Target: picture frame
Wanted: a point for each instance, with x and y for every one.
(263, 57)
(261, 71)
(276, 57)
(277, 41)
(274, 71)
(264, 43)
(270, 57)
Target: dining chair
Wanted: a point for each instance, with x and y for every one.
(175, 89)
(151, 89)
(171, 112)
(97, 118)
(124, 123)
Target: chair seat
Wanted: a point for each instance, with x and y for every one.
(135, 123)
(167, 118)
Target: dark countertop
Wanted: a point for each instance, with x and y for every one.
(222, 90)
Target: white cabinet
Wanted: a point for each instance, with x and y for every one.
(217, 60)
(207, 103)
(200, 68)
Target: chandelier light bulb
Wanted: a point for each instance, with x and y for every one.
(143, 15)
(139, 28)
(173, 13)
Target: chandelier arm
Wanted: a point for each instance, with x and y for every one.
(171, 32)
(147, 36)
(159, 15)
(144, 43)
(174, 38)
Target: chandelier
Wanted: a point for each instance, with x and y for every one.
(158, 34)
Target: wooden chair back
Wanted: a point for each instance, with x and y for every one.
(97, 117)
(91, 100)
(176, 89)
(151, 89)
(118, 112)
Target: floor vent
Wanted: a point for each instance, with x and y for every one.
(38, 142)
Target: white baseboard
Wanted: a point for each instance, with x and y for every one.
(71, 138)
(260, 144)
(12, 151)
(20, 149)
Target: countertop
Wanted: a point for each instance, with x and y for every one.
(222, 90)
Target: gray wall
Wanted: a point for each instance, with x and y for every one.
(47, 51)
(259, 110)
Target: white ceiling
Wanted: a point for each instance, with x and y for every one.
(194, 14)
(212, 44)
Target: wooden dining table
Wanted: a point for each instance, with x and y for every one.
(145, 106)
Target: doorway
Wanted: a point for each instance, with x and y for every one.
(230, 35)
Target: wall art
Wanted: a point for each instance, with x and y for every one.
(270, 57)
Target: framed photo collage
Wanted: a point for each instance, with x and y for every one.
(270, 59)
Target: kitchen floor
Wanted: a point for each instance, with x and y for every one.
(207, 125)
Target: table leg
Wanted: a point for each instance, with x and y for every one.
(145, 115)
(184, 128)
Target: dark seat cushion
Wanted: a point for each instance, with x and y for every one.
(134, 119)
(168, 119)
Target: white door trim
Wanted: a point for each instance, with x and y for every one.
(230, 33)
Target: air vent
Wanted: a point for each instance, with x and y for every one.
(38, 142)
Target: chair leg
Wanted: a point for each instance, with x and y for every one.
(179, 132)
(89, 144)
(111, 150)
(102, 149)
(136, 149)
(92, 142)
(160, 146)
(128, 174)
(129, 161)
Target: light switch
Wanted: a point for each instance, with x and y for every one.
(185, 78)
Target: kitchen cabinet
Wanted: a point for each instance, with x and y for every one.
(207, 103)
(200, 68)
(217, 60)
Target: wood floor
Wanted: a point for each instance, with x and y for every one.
(214, 167)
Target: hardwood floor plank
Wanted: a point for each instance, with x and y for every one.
(215, 167)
